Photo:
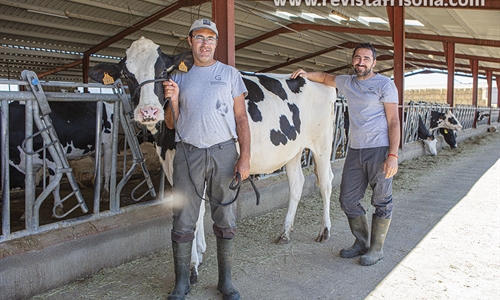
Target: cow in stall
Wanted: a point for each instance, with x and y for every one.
(75, 125)
(444, 120)
(447, 124)
(285, 116)
(450, 137)
(427, 138)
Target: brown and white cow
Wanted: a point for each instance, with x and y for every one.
(285, 117)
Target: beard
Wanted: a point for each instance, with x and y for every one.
(361, 72)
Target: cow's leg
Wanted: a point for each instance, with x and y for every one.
(295, 182)
(324, 177)
(58, 206)
(105, 194)
(199, 247)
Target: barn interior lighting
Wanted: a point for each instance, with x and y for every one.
(285, 15)
(53, 14)
(376, 20)
(311, 16)
(413, 23)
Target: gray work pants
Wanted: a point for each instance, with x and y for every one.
(363, 167)
(211, 169)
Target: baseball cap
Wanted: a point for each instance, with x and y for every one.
(204, 23)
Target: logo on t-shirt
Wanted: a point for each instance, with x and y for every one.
(218, 81)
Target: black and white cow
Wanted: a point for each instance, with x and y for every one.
(428, 139)
(285, 116)
(450, 137)
(444, 120)
(75, 125)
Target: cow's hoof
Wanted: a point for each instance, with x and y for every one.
(323, 236)
(282, 239)
(58, 212)
(105, 197)
(193, 277)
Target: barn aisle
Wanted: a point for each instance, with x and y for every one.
(443, 243)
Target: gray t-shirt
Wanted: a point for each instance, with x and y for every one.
(365, 99)
(206, 104)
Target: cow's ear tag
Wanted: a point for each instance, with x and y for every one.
(182, 67)
(446, 131)
(107, 79)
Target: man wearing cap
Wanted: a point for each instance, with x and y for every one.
(209, 116)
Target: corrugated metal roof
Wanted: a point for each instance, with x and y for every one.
(42, 35)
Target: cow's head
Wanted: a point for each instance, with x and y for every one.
(430, 145)
(145, 67)
(444, 120)
(450, 137)
(427, 137)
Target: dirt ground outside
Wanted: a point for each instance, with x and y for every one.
(443, 243)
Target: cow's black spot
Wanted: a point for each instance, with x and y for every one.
(255, 94)
(287, 128)
(273, 85)
(277, 137)
(254, 112)
(295, 84)
(295, 116)
(452, 121)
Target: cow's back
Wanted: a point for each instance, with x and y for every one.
(286, 116)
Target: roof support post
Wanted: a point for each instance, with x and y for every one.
(475, 79)
(489, 80)
(85, 71)
(223, 16)
(497, 79)
(397, 21)
(449, 51)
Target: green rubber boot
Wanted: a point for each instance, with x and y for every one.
(182, 261)
(224, 262)
(379, 232)
(359, 228)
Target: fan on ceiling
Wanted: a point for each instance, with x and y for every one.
(182, 46)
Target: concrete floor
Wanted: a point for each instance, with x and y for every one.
(443, 243)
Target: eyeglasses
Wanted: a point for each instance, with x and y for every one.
(210, 40)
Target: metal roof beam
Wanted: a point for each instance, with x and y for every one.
(137, 26)
(296, 60)
(439, 53)
(408, 35)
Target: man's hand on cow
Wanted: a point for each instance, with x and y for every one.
(299, 72)
(171, 90)
(390, 166)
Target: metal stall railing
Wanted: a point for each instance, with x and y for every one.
(37, 110)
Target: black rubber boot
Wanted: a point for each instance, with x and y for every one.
(379, 232)
(359, 228)
(224, 262)
(182, 261)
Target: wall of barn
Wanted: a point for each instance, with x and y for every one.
(462, 96)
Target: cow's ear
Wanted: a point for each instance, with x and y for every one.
(105, 73)
(184, 61)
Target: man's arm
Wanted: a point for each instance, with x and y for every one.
(243, 131)
(392, 115)
(320, 77)
(171, 90)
